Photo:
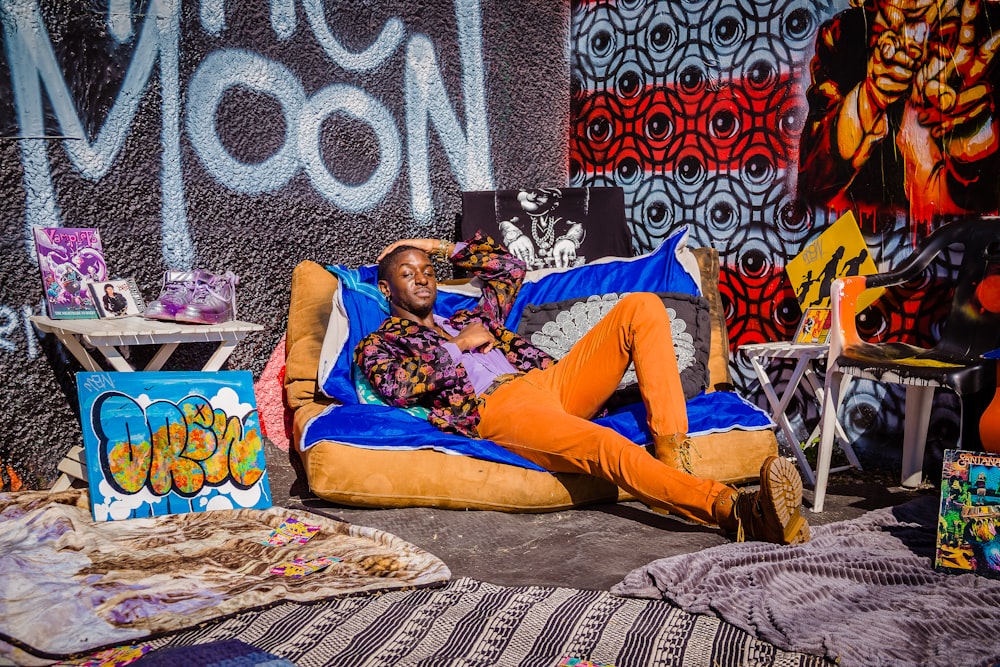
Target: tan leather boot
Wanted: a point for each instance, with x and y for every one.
(673, 450)
(770, 514)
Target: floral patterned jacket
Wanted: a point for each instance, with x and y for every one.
(407, 363)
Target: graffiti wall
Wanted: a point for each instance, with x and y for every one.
(247, 137)
(758, 123)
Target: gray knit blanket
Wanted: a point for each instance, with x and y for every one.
(863, 592)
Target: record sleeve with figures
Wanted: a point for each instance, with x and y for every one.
(969, 517)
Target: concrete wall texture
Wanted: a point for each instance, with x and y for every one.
(250, 136)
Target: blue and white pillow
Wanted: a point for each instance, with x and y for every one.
(359, 307)
(659, 271)
(383, 427)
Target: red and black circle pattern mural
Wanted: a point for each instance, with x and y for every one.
(698, 109)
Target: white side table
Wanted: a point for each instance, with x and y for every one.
(807, 355)
(108, 335)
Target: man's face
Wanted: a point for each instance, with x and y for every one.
(411, 284)
(535, 202)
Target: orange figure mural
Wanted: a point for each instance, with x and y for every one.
(902, 109)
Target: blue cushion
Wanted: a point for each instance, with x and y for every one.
(365, 307)
(389, 428)
(385, 427)
(659, 271)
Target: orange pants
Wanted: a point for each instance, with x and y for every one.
(545, 416)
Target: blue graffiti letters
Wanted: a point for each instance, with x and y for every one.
(36, 71)
(170, 447)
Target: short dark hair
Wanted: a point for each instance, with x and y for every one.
(107, 285)
(388, 263)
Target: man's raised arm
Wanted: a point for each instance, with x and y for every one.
(499, 272)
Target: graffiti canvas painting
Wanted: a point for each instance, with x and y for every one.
(171, 442)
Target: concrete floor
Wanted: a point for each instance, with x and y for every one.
(587, 548)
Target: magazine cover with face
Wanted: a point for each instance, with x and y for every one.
(67, 258)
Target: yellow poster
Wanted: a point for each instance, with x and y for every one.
(837, 252)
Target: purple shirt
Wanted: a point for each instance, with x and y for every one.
(482, 367)
(408, 364)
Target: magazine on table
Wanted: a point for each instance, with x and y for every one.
(815, 326)
(116, 297)
(67, 258)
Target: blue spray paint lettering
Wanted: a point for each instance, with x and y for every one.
(170, 447)
(34, 66)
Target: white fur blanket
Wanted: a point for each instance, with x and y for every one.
(69, 585)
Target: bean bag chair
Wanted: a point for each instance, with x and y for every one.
(359, 453)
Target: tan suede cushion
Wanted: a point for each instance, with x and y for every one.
(424, 478)
(362, 477)
(370, 478)
(733, 457)
(719, 375)
(313, 288)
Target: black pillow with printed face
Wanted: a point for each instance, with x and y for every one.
(551, 227)
(555, 327)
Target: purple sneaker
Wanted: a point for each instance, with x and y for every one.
(213, 301)
(178, 288)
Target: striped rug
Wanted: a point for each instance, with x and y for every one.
(469, 622)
